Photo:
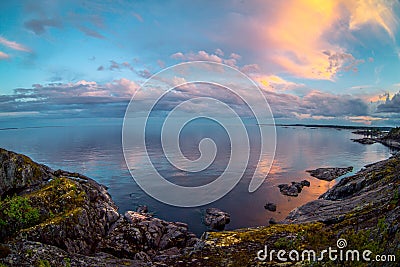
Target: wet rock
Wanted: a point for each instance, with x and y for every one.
(305, 183)
(270, 206)
(216, 218)
(329, 174)
(289, 190)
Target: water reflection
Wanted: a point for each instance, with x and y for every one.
(96, 151)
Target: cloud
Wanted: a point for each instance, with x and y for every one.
(378, 12)
(275, 83)
(14, 45)
(90, 32)
(204, 56)
(137, 16)
(391, 105)
(39, 26)
(82, 98)
(305, 38)
(4, 56)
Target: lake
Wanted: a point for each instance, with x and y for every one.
(96, 151)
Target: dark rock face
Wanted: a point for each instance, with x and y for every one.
(329, 174)
(136, 235)
(293, 189)
(270, 206)
(82, 227)
(216, 218)
(18, 173)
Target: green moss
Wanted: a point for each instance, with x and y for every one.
(67, 262)
(17, 213)
(60, 199)
(43, 263)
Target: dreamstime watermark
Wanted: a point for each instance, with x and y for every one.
(177, 96)
(332, 254)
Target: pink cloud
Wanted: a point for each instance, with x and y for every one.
(14, 45)
(4, 56)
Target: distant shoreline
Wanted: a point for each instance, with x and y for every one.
(333, 126)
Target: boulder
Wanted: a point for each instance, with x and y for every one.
(216, 218)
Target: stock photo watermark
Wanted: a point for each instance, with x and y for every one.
(338, 253)
(181, 94)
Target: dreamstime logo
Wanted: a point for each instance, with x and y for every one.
(332, 254)
(175, 97)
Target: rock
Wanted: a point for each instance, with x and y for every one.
(294, 189)
(142, 209)
(329, 174)
(19, 173)
(141, 232)
(76, 219)
(270, 206)
(272, 221)
(216, 218)
(305, 183)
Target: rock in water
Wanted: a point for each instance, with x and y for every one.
(142, 209)
(329, 174)
(216, 218)
(272, 221)
(270, 206)
(305, 183)
(293, 189)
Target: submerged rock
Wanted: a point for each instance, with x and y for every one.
(329, 174)
(216, 218)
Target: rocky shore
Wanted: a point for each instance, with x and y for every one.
(58, 218)
(390, 139)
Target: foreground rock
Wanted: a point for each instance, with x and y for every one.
(60, 217)
(293, 189)
(363, 209)
(216, 218)
(329, 174)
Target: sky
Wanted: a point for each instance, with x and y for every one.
(324, 62)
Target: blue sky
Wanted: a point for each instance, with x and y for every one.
(317, 61)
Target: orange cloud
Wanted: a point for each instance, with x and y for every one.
(303, 34)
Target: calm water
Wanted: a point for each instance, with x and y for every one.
(96, 151)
